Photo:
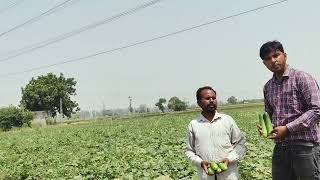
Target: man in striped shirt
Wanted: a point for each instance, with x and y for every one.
(292, 99)
(214, 137)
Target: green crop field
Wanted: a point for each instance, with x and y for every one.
(134, 148)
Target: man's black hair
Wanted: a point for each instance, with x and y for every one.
(270, 46)
(203, 88)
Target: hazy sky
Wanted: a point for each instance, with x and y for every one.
(224, 55)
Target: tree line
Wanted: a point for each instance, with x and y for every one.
(53, 94)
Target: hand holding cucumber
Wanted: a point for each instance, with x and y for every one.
(265, 127)
(279, 132)
(215, 168)
(205, 165)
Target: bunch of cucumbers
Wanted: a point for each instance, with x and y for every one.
(216, 168)
(265, 123)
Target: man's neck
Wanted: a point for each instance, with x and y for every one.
(209, 115)
(279, 75)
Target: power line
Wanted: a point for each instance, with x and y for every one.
(10, 6)
(145, 41)
(61, 37)
(36, 18)
(65, 6)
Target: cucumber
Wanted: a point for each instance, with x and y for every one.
(222, 166)
(210, 171)
(263, 126)
(218, 170)
(214, 166)
(267, 122)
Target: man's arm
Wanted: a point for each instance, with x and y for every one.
(267, 105)
(238, 141)
(309, 90)
(190, 151)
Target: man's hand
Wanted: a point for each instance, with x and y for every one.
(226, 161)
(205, 165)
(259, 129)
(279, 132)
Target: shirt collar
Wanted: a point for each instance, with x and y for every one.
(216, 117)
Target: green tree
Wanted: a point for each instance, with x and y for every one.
(14, 117)
(232, 100)
(45, 92)
(176, 104)
(160, 103)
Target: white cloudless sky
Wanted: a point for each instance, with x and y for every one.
(224, 55)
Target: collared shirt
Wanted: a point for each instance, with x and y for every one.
(214, 141)
(294, 101)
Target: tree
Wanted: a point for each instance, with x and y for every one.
(232, 100)
(160, 103)
(45, 92)
(142, 108)
(176, 104)
(106, 112)
(14, 117)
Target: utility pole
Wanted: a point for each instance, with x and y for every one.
(61, 112)
(130, 105)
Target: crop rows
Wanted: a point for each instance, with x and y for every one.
(137, 148)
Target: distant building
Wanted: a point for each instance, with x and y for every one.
(40, 117)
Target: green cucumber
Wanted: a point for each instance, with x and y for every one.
(267, 122)
(210, 171)
(263, 126)
(218, 170)
(214, 166)
(222, 166)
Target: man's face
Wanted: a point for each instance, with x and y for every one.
(208, 101)
(275, 61)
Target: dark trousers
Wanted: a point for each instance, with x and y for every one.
(296, 161)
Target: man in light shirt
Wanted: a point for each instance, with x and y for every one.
(214, 137)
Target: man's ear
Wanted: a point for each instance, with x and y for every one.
(198, 102)
(264, 62)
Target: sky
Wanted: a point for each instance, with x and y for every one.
(224, 55)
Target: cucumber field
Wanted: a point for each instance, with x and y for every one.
(131, 148)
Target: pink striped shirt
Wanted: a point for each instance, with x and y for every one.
(294, 102)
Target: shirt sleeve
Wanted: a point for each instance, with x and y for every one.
(238, 142)
(190, 150)
(267, 105)
(310, 93)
